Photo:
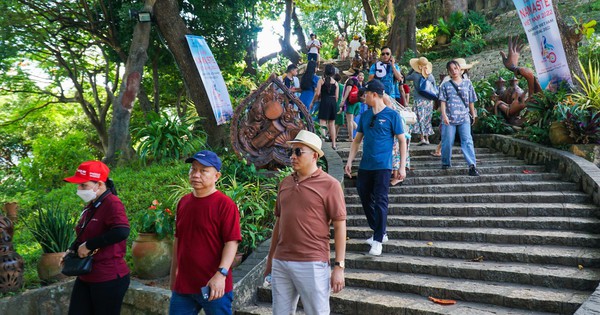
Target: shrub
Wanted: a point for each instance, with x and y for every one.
(54, 158)
(168, 137)
(376, 34)
(52, 227)
(426, 37)
(589, 97)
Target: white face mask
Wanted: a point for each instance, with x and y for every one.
(86, 194)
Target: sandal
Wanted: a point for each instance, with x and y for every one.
(435, 154)
(334, 147)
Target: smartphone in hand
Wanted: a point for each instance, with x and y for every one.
(205, 292)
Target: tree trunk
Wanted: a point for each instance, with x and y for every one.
(286, 48)
(120, 150)
(369, 12)
(570, 41)
(451, 6)
(173, 30)
(402, 34)
(298, 31)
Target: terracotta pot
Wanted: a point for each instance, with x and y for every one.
(11, 209)
(237, 260)
(442, 39)
(49, 267)
(11, 263)
(558, 134)
(151, 256)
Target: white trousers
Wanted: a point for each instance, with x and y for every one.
(309, 281)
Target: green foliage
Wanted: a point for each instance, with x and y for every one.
(465, 32)
(54, 158)
(487, 122)
(595, 5)
(443, 28)
(156, 219)
(426, 37)
(52, 227)
(589, 97)
(534, 134)
(583, 125)
(543, 104)
(590, 51)
(376, 34)
(168, 137)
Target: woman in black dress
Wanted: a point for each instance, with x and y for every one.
(327, 90)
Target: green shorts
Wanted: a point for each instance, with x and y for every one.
(353, 109)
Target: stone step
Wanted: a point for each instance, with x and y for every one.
(486, 209)
(265, 309)
(528, 223)
(511, 197)
(482, 235)
(550, 276)
(456, 163)
(523, 253)
(484, 178)
(481, 156)
(478, 188)
(344, 150)
(533, 298)
(484, 170)
(359, 301)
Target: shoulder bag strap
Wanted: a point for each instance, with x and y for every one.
(93, 207)
(458, 93)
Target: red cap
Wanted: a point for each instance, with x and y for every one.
(89, 171)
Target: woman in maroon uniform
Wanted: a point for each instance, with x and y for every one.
(102, 231)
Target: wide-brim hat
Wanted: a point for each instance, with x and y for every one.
(463, 63)
(351, 72)
(421, 64)
(310, 140)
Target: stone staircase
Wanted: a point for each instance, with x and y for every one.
(516, 240)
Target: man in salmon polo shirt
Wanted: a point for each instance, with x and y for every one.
(207, 232)
(308, 201)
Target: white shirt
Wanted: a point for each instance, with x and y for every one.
(354, 45)
(314, 49)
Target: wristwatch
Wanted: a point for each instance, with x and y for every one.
(224, 271)
(341, 264)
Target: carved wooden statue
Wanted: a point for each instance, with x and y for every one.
(11, 263)
(512, 106)
(265, 121)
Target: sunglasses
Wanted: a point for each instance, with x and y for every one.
(296, 151)
(373, 119)
(385, 53)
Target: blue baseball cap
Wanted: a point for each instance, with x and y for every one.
(374, 85)
(206, 158)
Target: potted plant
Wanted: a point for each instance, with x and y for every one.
(52, 227)
(152, 250)
(443, 32)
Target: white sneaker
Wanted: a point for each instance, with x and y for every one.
(376, 248)
(370, 239)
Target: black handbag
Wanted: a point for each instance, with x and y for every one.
(73, 265)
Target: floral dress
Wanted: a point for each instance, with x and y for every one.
(396, 147)
(422, 107)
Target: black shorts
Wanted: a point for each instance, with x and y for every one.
(313, 56)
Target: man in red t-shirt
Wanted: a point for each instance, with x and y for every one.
(207, 232)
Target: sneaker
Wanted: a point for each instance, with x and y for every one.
(445, 167)
(473, 171)
(370, 239)
(376, 248)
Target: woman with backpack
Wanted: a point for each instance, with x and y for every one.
(351, 101)
(423, 106)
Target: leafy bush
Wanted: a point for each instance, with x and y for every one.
(426, 37)
(589, 97)
(54, 158)
(590, 51)
(583, 125)
(376, 34)
(534, 134)
(543, 103)
(168, 137)
(52, 227)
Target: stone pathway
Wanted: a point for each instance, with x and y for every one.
(516, 240)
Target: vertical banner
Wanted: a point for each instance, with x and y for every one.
(539, 22)
(212, 78)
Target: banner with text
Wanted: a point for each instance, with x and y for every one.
(539, 21)
(212, 78)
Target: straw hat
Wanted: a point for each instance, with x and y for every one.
(463, 63)
(422, 66)
(309, 139)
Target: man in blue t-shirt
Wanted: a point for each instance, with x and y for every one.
(379, 125)
(386, 70)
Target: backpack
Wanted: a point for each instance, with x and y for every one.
(353, 97)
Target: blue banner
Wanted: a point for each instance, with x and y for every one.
(539, 22)
(212, 78)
